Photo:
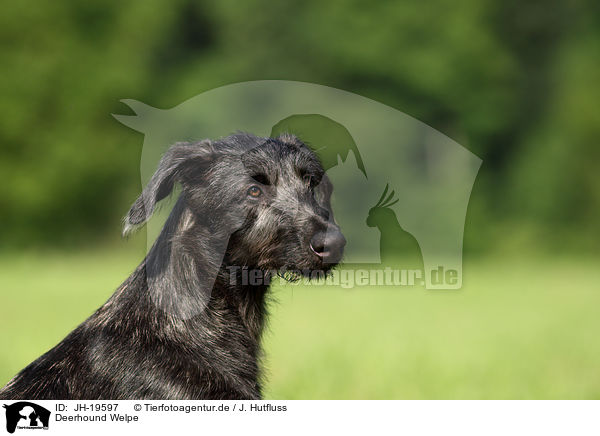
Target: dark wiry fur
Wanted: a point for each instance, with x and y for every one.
(178, 327)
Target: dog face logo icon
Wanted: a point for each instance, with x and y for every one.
(26, 415)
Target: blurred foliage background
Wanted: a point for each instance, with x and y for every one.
(517, 83)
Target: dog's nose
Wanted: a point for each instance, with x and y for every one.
(328, 245)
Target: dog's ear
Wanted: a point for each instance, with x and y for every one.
(183, 163)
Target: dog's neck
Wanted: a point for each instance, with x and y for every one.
(188, 276)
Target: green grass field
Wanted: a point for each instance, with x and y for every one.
(519, 328)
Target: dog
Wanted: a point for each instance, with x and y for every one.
(185, 324)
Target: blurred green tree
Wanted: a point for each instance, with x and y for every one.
(517, 83)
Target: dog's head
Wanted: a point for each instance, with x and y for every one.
(269, 198)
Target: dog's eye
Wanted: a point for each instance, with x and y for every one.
(254, 191)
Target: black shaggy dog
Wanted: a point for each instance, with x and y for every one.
(186, 324)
